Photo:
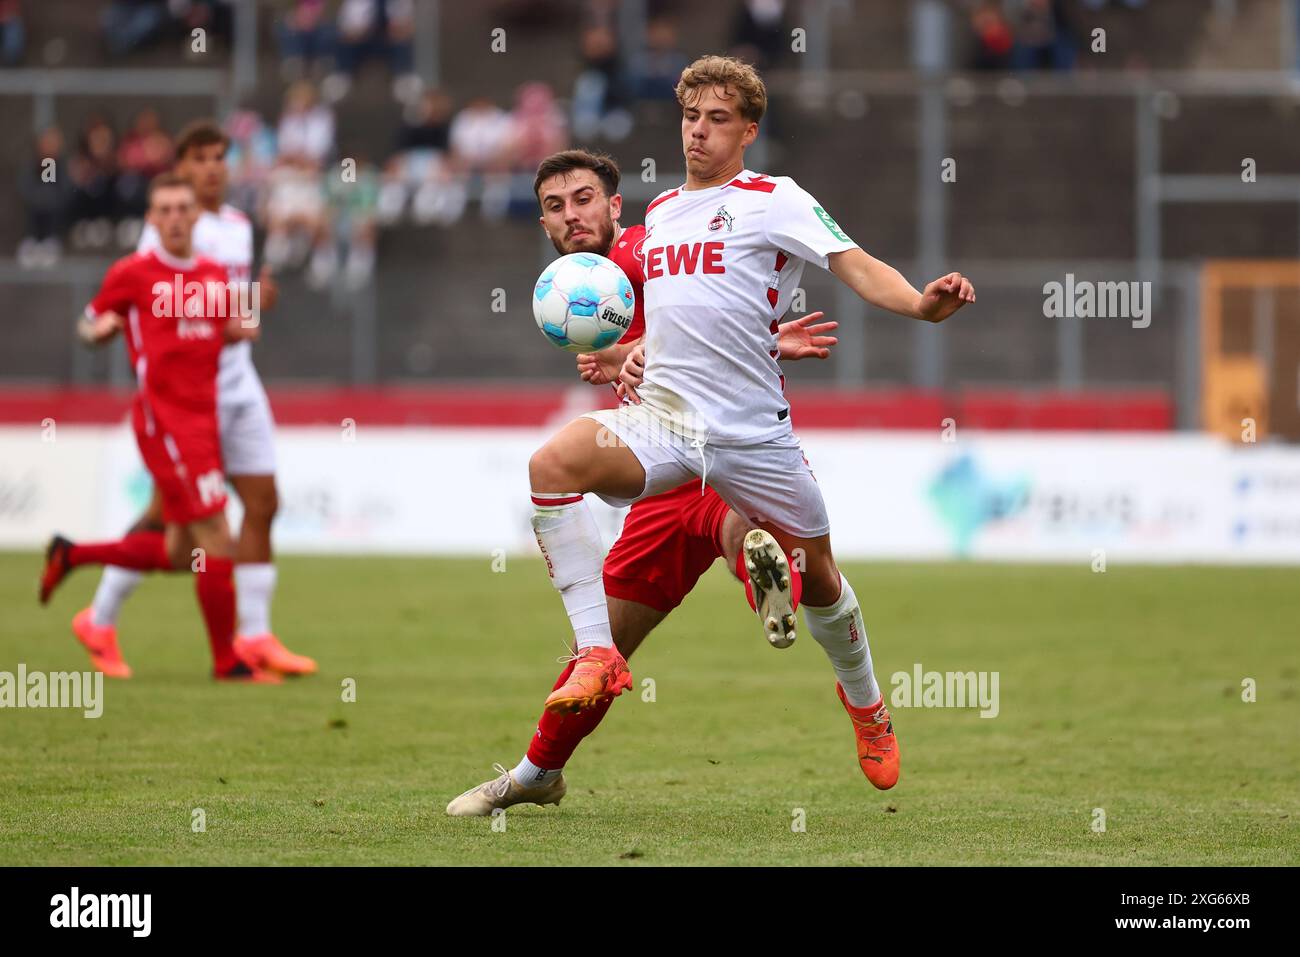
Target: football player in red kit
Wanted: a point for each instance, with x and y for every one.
(177, 311)
(669, 540)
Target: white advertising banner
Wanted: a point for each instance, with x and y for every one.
(1002, 496)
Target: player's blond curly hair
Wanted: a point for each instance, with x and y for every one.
(736, 77)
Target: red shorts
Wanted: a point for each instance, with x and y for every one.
(668, 541)
(186, 469)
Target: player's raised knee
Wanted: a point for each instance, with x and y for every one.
(548, 471)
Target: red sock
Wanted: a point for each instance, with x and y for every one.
(143, 551)
(558, 735)
(796, 581)
(216, 590)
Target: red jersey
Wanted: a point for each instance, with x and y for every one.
(626, 252)
(176, 312)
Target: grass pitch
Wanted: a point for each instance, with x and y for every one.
(1120, 691)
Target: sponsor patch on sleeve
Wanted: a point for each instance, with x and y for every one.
(830, 224)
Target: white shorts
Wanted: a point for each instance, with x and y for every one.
(766, 483)
(247, 431)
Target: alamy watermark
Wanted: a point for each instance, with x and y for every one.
(75, 909)
(54, 689)
(1084, 299)
(919, 688)
(191, 299)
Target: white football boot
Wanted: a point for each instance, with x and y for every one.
(503, 792)
(769, 577)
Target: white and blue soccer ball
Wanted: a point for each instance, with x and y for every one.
(583, 302)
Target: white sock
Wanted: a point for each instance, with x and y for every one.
(570, 543)
(115, 587)
(839, 630)
(254, 586)
(530, 775)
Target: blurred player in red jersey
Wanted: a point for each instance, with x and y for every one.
(177, 311)
(668, 540)
(225, 235)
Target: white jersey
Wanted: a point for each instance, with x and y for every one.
(721, 266)
(226, 237)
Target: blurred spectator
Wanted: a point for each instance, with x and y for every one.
(47, 199)
(599, 95)
(145, 151)
(662, 61)
(94, 181)
(378, 29)
(306, 130)
(130, 24)
(481, 138)
(537, 129)
(294, 213)
(1043, 37)
(306, 38)
(993, 37)
(13, 34)
(352, 227)
(424, 168)
(296, 217)
(250, 157)
(216, 17)
(759, 34)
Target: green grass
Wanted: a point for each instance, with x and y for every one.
(1119, 691)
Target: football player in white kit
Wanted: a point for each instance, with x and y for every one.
(224, 234)
(722, 257)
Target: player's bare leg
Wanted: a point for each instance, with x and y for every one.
(255, 578)
(833, 617)
(539, 776)
(583, 456)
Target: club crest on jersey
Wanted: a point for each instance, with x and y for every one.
(721, 218)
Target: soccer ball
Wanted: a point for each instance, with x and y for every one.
(583, 302)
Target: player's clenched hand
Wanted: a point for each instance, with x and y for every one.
(945, 296)
(97, 331)
(239, 328)
(806, 338)
(603, 367)
(632, 373)
(268, 290)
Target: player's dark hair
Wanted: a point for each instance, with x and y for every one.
(168, 181)
(201, 133)
(566, 161)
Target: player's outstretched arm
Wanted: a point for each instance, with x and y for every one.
(603, 367)
(806, 337)
(884, 286)
(100, 329)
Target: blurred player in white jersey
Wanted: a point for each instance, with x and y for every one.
(247, 430)
(722, 257)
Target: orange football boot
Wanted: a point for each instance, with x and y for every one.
(101, 642)
(266, 653)
(877, 746)
(599, 673)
